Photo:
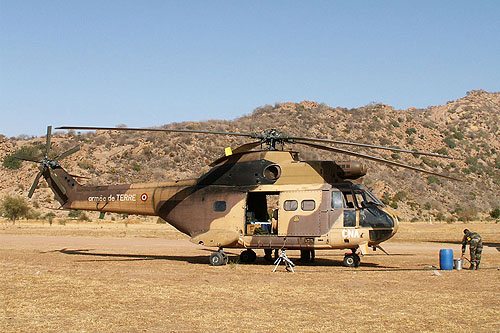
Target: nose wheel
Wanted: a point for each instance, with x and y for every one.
(351, 260)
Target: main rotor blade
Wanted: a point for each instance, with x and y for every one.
(47, 145)
(372, 146)
(241, 149)
(76, 176)
(89, 128)
(35, 184)
(26, 159)
(67, 153)
(246, 147)
(372, 158)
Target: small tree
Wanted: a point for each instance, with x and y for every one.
(49, 217)
(495, 213)
(14, 207)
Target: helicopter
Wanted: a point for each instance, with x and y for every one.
(259, 196)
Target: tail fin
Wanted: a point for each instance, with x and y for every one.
(62, 183)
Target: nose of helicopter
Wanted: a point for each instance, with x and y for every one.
(396, 224)
(384, 227)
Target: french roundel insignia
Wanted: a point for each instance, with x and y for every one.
(144, 197)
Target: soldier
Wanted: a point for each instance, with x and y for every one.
(476, 247)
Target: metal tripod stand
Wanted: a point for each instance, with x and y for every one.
(283, 258)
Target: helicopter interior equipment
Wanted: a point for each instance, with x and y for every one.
(260, 196)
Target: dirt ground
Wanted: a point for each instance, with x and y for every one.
(83, 277)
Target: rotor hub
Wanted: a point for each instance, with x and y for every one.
(272, 137)
(48, 163)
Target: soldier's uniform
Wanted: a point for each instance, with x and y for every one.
(475, 242)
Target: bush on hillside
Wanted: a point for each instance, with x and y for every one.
(450, 142)
(10, 162)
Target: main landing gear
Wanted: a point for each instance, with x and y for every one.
(248, 256)
(218, 258)
(351, 260)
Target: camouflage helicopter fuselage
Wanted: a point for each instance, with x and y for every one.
(258, 199)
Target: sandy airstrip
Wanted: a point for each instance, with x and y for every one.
(147, 277)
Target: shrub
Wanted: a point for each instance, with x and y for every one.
(450, 142)
(495, 213)
(429, 162)
(497, 163)
(386, 198)
(49, 217)
(411, 131)
(394, 123)
(86, 164)
(14, 207)
(440, 216)
(442, 151)
(10, 162)
(468, 214)
(401, 195)
(30, 152)
(471, 161)
(429, 124)
(83, 217)
(74, 213)
(433, 180)
(458, 135)
(33, 214)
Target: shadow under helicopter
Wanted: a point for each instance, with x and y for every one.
(202, 260)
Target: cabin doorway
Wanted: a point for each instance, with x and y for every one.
(261, 216)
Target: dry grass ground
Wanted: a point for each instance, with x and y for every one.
(148, 277)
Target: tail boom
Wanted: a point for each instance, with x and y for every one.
(140, 199)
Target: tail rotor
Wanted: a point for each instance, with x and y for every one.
(47, 165)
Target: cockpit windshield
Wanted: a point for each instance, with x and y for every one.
(365, 198)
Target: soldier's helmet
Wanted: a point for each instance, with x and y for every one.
(466, 231)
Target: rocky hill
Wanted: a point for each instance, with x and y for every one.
(467, 128)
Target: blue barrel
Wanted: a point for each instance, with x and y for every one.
(446, 259)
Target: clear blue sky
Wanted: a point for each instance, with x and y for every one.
(148, 63)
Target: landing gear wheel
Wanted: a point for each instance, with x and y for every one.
(224, 256)
(218, 258)
(357, 259)
(351, 260)
(248, 256)
(268, 255)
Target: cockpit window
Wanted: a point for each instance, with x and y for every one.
(337, 201)
(349, 199)
(366, 199)
(356, 196)
(375, 217)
